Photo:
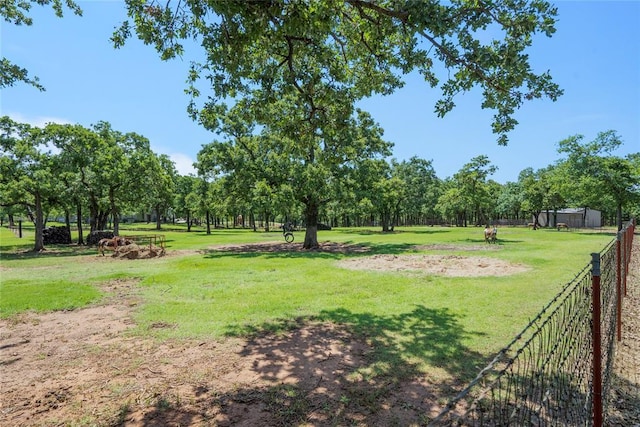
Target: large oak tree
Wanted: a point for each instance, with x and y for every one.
(299, 67)
(28, 173)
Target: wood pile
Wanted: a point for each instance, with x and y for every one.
(56, 236)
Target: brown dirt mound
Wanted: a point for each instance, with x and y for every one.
(444, 265)
(133, 251)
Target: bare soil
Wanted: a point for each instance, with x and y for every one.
(83, 367)
(624, 400)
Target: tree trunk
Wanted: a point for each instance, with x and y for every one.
(188, 221)
(619, 215)
(93, 220)
(114, 213)
(547, 220)
(208, 217)
(536, 216)
(79, 224)
(103, 218)
(39, 223)
(158, 221)
(384, 219)
(311, 218)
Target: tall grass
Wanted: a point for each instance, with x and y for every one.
(206, 293)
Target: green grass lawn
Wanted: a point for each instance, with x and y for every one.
(430, 320)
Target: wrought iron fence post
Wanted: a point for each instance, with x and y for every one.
(597, 341)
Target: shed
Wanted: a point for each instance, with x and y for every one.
(573, 217)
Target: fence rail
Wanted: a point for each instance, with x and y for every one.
(558, 370)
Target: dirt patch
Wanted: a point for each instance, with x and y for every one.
(70, 372)
(624, 400)
(83, 367)
(461, 248)
(443, 265)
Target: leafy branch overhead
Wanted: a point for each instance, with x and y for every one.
(328, 53)
(17, 12)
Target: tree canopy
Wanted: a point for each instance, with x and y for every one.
(609, 176)
(297, 68)
(27, 172)
(340, 51)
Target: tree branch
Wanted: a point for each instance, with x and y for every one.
(360, 4)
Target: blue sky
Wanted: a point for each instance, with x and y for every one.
(594, 56)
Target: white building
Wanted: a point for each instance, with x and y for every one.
(574, 218)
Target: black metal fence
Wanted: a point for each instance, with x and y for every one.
(558, 370)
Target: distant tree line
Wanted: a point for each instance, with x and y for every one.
(105, 175)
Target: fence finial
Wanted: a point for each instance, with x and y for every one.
(595, 264)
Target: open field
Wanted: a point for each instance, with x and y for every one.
(240, 328)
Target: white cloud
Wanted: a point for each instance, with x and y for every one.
(184, 163)
(38, 121)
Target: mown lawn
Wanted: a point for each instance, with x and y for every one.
(204, 293)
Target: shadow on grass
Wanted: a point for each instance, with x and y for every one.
(327, 250)
(380, 363)
(499, 241)
(27, 252)
(433, 336)
(368, 232)
(600, 233)
(338, 368)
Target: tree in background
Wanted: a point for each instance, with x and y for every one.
(383, 190)
(298, 68)
(200, 198)
(109, 167)
(554, 183)
(422, 189)
(28, 173)
(255, 171)
(70, 139)
(473, 189)
(534, 190)
(451, 203)
(509, 202)
(593, 165)
(181, 206)
(157, 176)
